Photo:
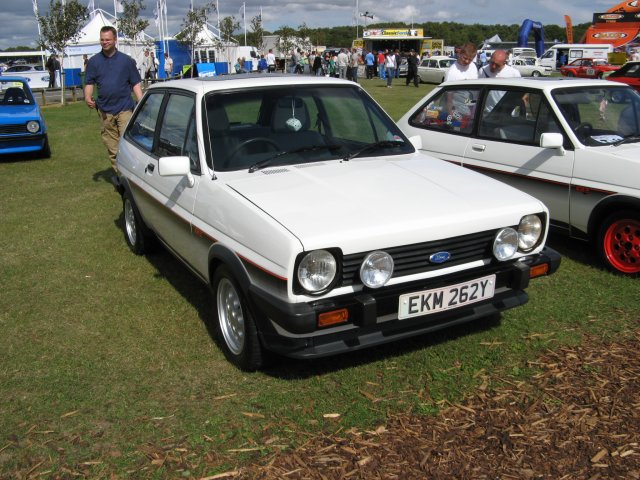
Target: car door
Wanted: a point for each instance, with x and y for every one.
(507, 147)
(167, 201)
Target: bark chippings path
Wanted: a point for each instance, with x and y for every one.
(579, 418)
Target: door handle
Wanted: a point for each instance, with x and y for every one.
(478, 148)
(149, 168)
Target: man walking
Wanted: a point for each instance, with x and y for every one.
(116, 76)
(412, 68)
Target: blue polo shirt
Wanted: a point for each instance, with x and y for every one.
(115, 77)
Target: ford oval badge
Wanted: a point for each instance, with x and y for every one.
(439, 257)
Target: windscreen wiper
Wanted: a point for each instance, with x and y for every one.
(627, 139)
(309, 148)
(373, 146)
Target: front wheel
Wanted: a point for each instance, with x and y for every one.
(535, 73)
(619, 242)
(135, 232)
(570, 74)
(234, 324)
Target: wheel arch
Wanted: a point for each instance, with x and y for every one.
(221, 255)
(606, 207)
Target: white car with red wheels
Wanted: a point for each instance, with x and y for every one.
(573, 144)
(315, 221)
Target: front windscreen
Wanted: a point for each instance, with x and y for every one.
(296, 125)
(600, 116)
(15, 92)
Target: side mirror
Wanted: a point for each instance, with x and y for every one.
(552, 140)
(176, 167)
(416, 141)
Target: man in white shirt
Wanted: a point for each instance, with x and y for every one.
(498, 68)
(463, 68)
(343, 63)
(271, 61)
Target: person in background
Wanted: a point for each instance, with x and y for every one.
(52, 66)
(463, 68)
(168, 66)
(381, 67)
(412, 68)
(262, 64)
(116, 76)
(317, 66)
(343, 63)
(370, 65)
(354, 62)
(398, 62)
(271, 61)
(390, 65)
(498, 68)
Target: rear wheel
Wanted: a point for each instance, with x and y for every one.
(234, 323)
(535, 73)
(570, 74)
(619, 242)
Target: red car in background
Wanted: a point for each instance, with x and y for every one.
(587, 68)
(629, 73)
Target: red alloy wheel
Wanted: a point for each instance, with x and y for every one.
(621, 245)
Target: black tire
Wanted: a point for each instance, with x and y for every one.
(46, 150)
(618, 242)
(535, 73)
(569, 74)
(136, 233)
(234, 322)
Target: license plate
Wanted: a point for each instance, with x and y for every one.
(446, 298)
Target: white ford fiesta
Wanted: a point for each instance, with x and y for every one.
(315, 221)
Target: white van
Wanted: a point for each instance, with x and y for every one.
(573, 51)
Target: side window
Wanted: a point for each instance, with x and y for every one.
(433, 64)
(547, 122)
(177, 117)
(452, 110)
(143, 126)
(510, 115)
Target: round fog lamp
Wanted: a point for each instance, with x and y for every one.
(376, 269)
(505, 244)
(33, 126)
(316, 271)
(529, 231)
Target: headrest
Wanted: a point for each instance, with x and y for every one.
(217, 118)
(14, 95)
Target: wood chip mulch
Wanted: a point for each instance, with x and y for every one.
(578, 418)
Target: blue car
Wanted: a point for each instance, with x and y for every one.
(22, 126)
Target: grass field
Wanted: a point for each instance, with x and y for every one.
(108, 367)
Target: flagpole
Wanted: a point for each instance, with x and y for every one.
(244, 20)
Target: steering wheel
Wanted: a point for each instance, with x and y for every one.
(242, 145)
(584, 130)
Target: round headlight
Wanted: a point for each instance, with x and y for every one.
(529, 232)
(33, 126)
(316, 271)
(376, 269)
(505, 244)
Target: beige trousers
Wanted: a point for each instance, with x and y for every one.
(113, 126)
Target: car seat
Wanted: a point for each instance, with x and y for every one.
(290, 123)
(14, 96)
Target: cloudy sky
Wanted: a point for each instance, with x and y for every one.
(18, 25)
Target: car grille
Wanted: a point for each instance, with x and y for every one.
(13, 129)
(410, 259)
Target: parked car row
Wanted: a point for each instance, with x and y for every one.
(572, 144)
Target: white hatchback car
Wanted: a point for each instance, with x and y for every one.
(529, 67)
(571, 143)
(316, 223)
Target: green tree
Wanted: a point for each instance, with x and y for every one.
(304, 35)
(255, 36)
(130, 24)
(192, 25)
(60, 27)
(286, 40)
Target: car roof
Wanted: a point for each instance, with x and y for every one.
(247, 81)
(540, 83)
(7, 78)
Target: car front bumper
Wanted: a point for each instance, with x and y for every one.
(14, 144)
(290, 329)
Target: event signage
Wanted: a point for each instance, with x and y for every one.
(392, 32)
